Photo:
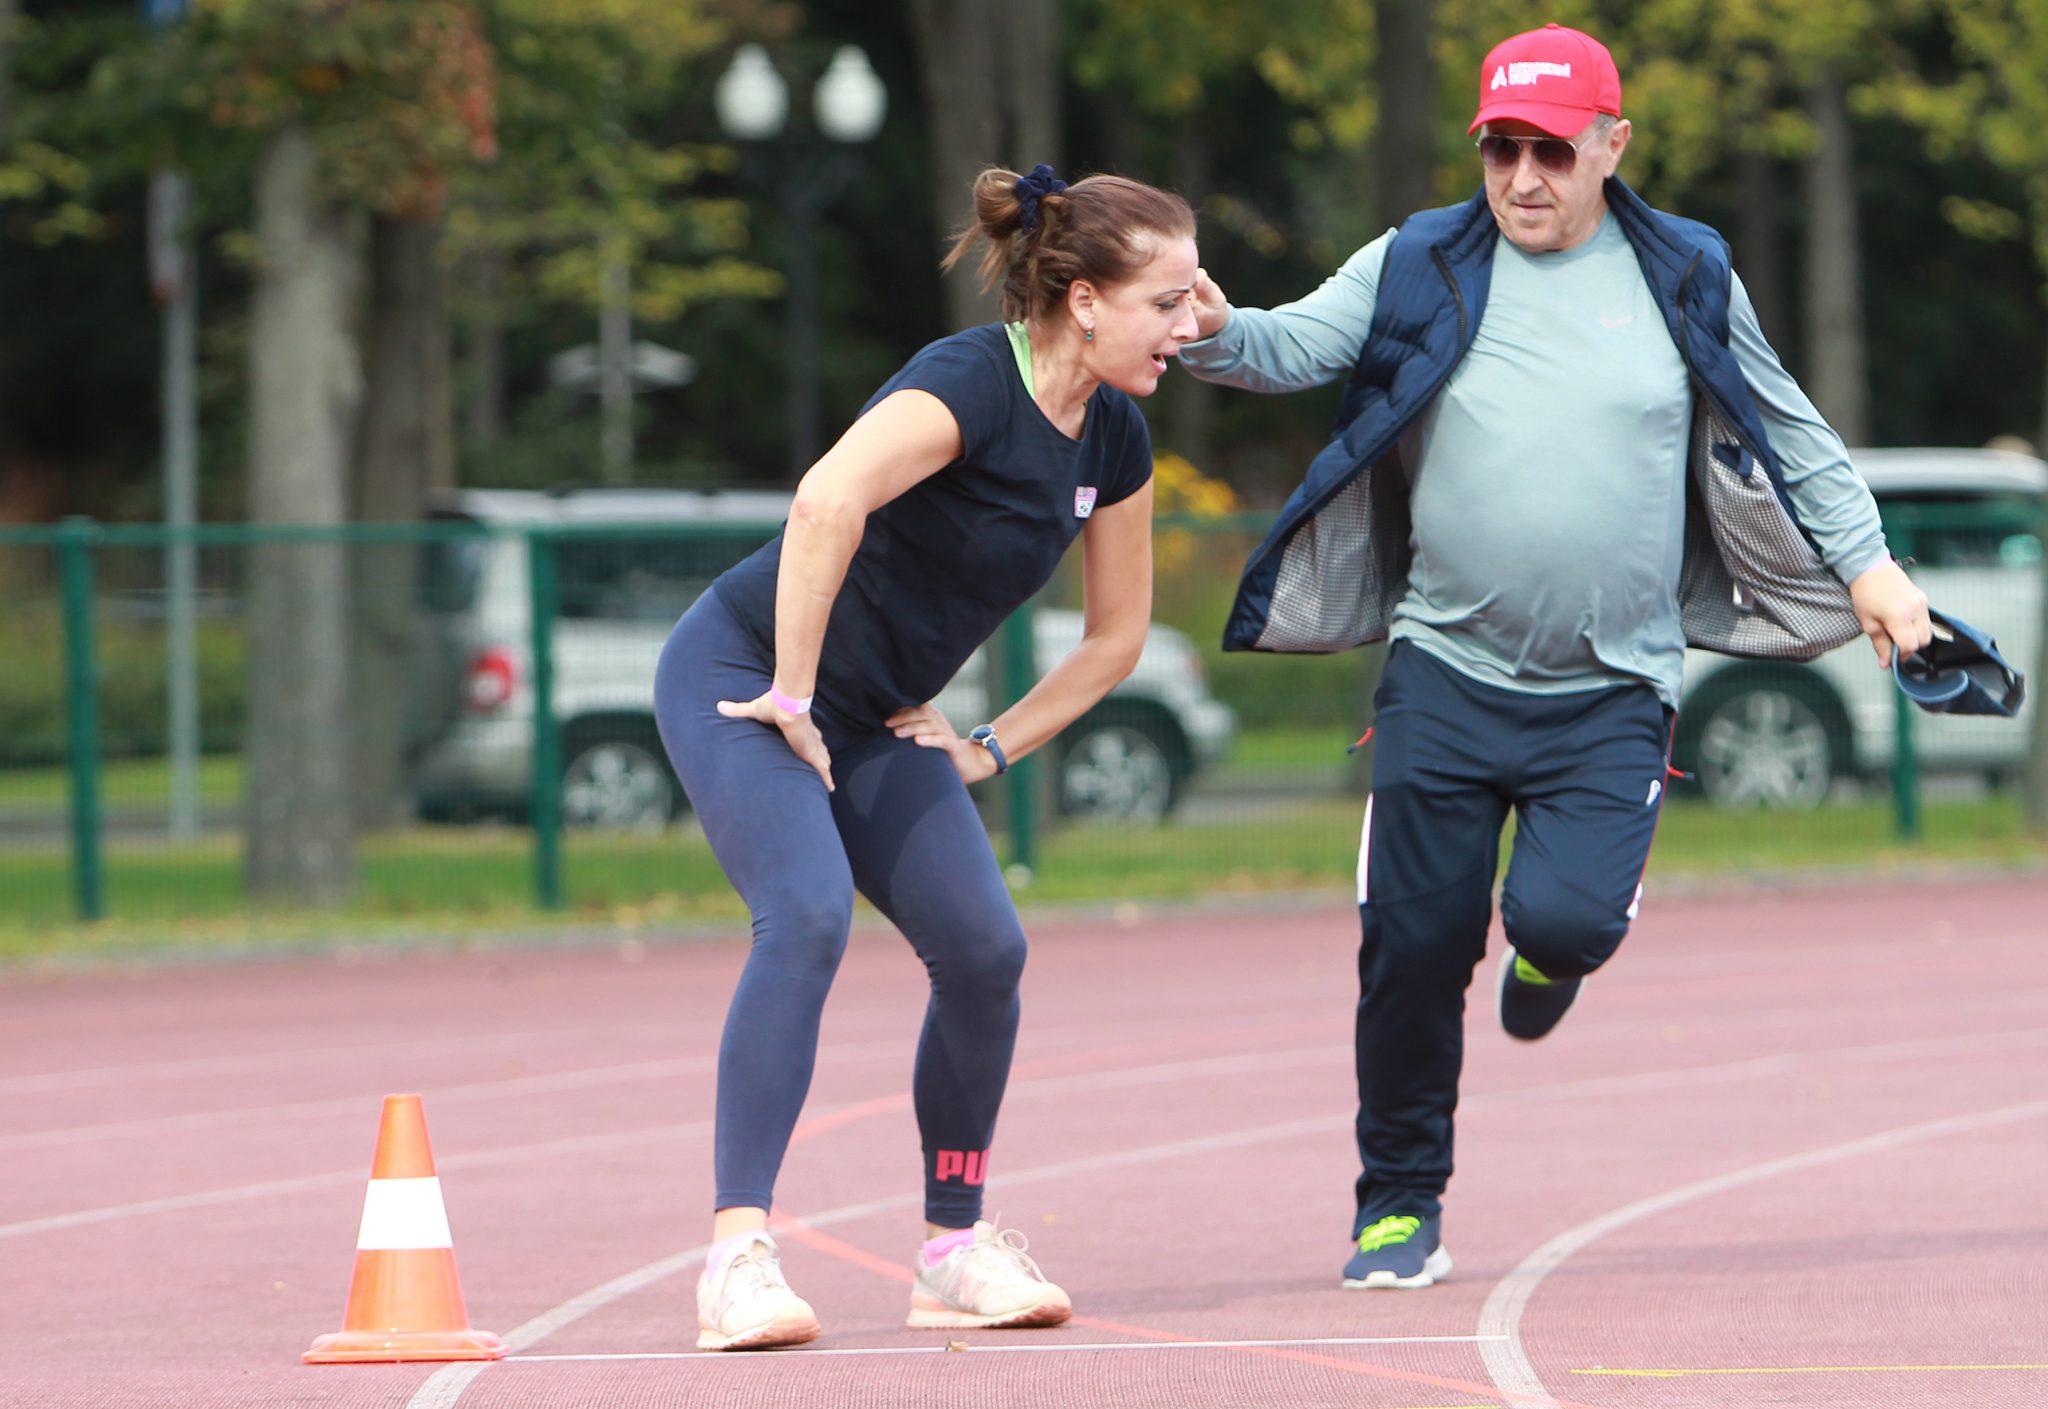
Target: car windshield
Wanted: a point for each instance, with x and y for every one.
(451, 569)
(647, 578)
(1966, 530)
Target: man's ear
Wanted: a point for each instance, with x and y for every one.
(1617, 141)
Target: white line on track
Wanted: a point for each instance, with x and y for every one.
(541, 1084)
(580, 1080)
(131, 1074)
(592, 1077)
(1637, 1082)
(444, 1389)
(1500, 1320)
(1061, 1348)
(234, 1063)
(1777, 1064)
(581, 1144)
(646, 1071)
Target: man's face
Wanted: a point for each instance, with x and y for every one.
(1541, 210)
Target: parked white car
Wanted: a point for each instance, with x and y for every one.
(1127, 759)
(1775, 733)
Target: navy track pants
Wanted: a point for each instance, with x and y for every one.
(1584, 774)
(899, 828)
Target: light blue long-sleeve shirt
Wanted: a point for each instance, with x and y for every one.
(1548, 478)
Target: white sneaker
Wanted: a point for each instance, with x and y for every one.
(744, 1304)
(987, 1283)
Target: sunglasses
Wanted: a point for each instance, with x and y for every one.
(1556, 155)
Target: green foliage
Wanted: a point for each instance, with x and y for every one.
(1701, 80)
(456, 883)
(1270, 691)
(398, 93)
(132, 702)
(2006, 41)
(582, 85)
(1165, 57)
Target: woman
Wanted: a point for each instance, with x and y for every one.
(793, 702)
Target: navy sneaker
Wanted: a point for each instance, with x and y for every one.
(1530, 1004)
(1399, 1251)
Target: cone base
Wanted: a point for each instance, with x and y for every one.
(361, 1347)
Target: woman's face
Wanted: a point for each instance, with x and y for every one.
(1143, 321)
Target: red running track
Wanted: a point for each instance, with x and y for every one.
(1789, 1150)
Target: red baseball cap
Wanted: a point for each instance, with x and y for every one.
(1554, 77)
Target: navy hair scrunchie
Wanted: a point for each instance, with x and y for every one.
(1034, 188)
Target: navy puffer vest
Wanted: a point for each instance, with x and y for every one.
(1335, 563)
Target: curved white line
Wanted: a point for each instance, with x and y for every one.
(1500, 1320)
(984, 1348)
(444, 1388)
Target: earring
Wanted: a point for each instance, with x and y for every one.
(1087, 335)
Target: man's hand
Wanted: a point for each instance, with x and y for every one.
(1212, 309)
(1893, 611)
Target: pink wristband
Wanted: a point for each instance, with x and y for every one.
(786, 704)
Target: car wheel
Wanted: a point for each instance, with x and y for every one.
(618, 783)
(1118, 772)
(1766, 744)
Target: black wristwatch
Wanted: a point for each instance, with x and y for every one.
(985, 735)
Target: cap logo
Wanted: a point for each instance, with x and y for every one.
(1525, 72)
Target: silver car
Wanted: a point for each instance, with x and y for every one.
(1128, 759)
(1782, 734)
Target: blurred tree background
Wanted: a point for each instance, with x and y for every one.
(480, 165)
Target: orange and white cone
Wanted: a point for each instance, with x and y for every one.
(405, 1302)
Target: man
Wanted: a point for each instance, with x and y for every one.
(1564, 453)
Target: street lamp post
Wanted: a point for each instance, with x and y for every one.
(174, 279)
(847, 108)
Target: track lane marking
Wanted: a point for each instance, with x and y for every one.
(1639, 1082)
(1807, 1370)
(860, 1257)
(979, 1348)
(580, 1078)
(445, 1387)
(588, 1077)
(1502, 1315)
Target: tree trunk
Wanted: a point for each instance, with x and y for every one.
(2041, 435)
(1757, 257)
(406, 449)
(1190, 404)
(304, 390)
(1404, 145)
(991, 85)
(2037, 730)
(484, 346)
(9, 11)
(1027, 56)
(1404, 152)
(1835, 351)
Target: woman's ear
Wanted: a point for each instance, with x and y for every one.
(1081, 305)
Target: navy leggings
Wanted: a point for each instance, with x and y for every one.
(1584, 774)
(899, 828)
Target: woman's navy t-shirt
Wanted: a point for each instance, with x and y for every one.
(940, 566)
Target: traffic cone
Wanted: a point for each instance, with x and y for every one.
(405, 1302)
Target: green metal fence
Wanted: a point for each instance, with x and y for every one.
(496, 737)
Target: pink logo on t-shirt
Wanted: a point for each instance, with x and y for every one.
(1084, 501)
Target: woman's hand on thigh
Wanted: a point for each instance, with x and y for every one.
(802, 735)
(928, 729)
